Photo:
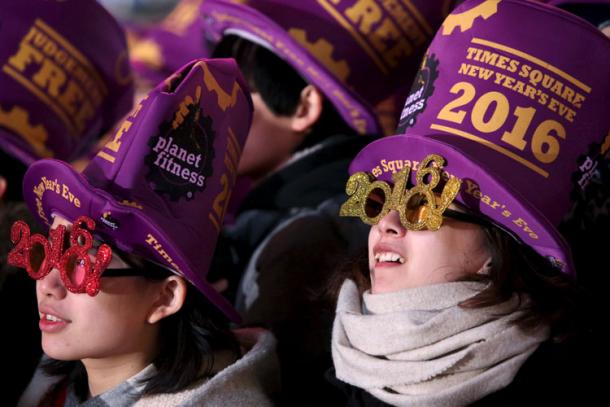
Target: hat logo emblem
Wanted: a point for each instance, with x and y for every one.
(109, 221)
(422, 89)
(180, 159)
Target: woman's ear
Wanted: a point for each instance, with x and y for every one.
(171, 294)
(486, 268)
(308, 110)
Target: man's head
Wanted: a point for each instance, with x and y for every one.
(289, 113)
(318, 68)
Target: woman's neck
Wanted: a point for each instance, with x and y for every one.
(105, 374)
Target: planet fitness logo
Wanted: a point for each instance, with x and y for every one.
(182, 154)
(422, 89)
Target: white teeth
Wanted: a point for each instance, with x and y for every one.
(389, 257)
(53, 318)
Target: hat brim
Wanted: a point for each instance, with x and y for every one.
(244, 21)
(12, 145)
(482, 190)
(53, 187)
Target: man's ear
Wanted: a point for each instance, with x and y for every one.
(3, 186)
(308, 110)
(171, 294)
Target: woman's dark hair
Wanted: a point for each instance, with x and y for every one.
(518, 268)
(279, 85)
(555, 297)
(188, 338)
(12, 170)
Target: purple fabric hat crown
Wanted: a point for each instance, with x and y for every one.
(64, 78)
(517, 113)
(160, 187)
(158, 51)
(338, 45)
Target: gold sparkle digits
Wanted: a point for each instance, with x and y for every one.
(418, 207)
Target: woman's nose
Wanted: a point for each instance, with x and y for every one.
(390, 224)
(51, 285)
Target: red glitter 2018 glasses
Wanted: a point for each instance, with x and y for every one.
(39, 255)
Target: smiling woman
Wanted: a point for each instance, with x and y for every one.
(451, 316)
(455, 251)
(467, 295)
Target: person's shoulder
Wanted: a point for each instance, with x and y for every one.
(252, 380)
(558, 373)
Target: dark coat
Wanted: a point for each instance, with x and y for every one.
(554, 375)
(287, 241)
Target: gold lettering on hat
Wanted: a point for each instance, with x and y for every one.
(158, 247)
(113, 146)
(131, 204)
(489, 113)
(225, 100)
(387, 31)
(18, 120)
(421, 198)
(182, 17)
(58, 74)
(227, 180)
(465, 20)
(606, 145)
(322, 50)
(183, 108)
(59, 188)
(146, 51)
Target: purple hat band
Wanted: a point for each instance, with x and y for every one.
(340, 46)
(160, 187)
(517, 114)
(64, 77)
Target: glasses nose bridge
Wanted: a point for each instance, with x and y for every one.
(52, 284)
(390, 224)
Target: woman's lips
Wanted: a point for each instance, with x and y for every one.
(51, 321)
(387, 256)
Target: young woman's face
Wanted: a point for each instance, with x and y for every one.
(113, 323)
(400, 258)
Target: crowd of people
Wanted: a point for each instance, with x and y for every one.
(351, 203)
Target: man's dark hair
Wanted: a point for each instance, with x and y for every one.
(279, 85)
(188, 338)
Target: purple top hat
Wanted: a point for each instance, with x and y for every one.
(64, 77)
(520, 115)
(340, 46)
(160, 187)
(160, 50)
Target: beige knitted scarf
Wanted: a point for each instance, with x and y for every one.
(418, 347)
